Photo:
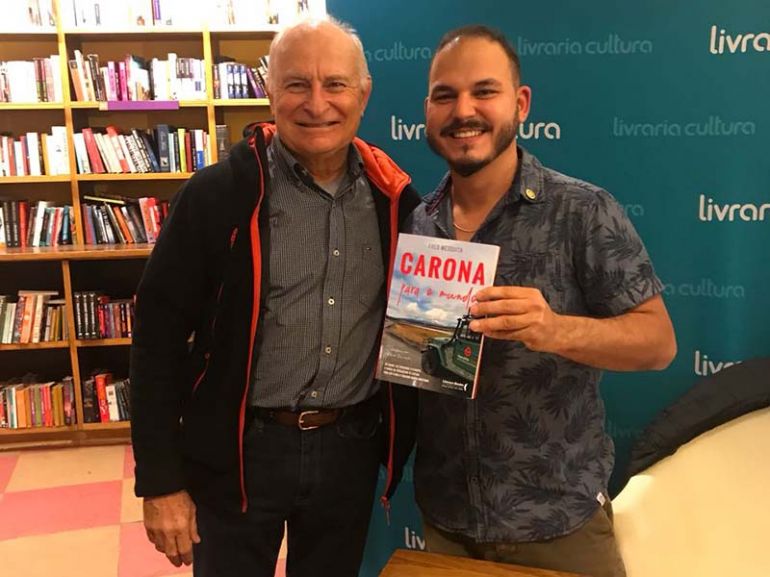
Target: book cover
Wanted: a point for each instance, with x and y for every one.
(426, 341)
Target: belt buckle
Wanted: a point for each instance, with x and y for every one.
(301, 425)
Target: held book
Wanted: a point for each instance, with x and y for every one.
(426, 341)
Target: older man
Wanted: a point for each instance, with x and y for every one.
(276, 261)
(520, 474)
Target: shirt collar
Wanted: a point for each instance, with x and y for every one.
(291, 167)
(527, 185)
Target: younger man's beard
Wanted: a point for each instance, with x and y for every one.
(466, 168)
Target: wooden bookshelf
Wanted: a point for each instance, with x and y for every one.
(68, 267)
(35, 179)
(115, 426)
(136, 176)
(132, 32)
(242, 102)
(75, 252)
(31, 105)
(102, 343)
(31, 346)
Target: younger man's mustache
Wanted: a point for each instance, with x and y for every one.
(471, 124)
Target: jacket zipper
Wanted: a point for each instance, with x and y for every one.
(207, 354)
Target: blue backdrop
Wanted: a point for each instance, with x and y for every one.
(662, 102)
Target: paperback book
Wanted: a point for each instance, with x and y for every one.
(427, 342)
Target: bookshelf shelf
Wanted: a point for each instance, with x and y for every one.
(103, 106)
(75, 252)
(35, 346)
(115, 425)
(235, 32)
(26, 431)
(134, 176)
(130, 33)
(34, 179)
(33, 34)
(240, 102)
(31, 106)
(103, 343)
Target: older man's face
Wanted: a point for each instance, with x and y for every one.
(318, 94)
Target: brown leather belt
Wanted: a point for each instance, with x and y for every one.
(304, 420)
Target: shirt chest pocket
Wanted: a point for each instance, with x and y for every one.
(541, 270)
(369, 274)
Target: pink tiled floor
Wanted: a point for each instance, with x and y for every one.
(60, 507)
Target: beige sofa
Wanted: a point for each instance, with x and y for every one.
(703, 511)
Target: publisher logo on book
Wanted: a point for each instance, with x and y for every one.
(403, 130)
(723, 41)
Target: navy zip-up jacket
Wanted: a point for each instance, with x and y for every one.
(207, 277)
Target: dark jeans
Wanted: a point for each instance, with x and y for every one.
(320, 482)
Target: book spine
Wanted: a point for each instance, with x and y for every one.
(90, 401)
(48, 410)
(93, 151)
(101, 396)
(37, 318)
(24, 220)
(135, 218)
(161, 139)
(69, 401)
(124, 229)
(149, 149)
(112, 403)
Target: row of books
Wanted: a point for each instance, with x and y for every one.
(98, 316)
(134, 78)
(123, 221)
(32, 317)
(163, 149)
(35, 14)
(111, 14)
(25, 403)
(36, 80)
(108, 13)
(33, 154)
(105, 400)
(38, 224)
(234, 80)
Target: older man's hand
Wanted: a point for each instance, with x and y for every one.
(170, 524)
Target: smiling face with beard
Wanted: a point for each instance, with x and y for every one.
(474, 104)
(466, 164)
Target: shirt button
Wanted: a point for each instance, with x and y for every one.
(314, 394)
(330, 301)
(328, 350)
(336, 252)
